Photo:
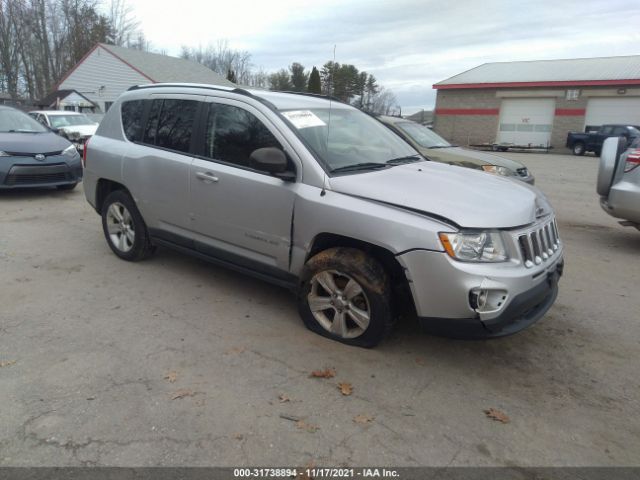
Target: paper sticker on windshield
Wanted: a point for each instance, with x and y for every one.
(304, 119)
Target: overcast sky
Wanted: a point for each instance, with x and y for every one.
(407, 44)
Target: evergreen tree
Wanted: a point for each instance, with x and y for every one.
(315, 86)
(299, 77)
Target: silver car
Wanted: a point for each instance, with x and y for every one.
(316, 196)
(619, 180)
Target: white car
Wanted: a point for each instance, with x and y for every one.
(76, 127)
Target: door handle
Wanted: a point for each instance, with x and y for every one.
(207, 176)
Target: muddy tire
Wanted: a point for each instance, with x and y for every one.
(346, 296)
(578, 149)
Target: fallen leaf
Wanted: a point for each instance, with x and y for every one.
(420, 361)
(238, 436)
(8, 363)
(171, 376)
(236, 350)
(283, 398)
(363, 419)
(326, 373)
(345, 388)
(309, 427)
(497, 415)
(183, 392)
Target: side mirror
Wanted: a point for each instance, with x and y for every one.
(54, 130)
(271, 160)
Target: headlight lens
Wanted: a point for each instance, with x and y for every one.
(497, 170)
(70, 151)
(474, 247)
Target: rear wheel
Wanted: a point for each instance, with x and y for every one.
(124, 228)
(578, 148)
(346, 296)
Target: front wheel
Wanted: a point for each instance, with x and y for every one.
(124, 228)
(578, 148)
(346, 296)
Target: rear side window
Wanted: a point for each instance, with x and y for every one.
(232, 134)
(132, 113)
(175, 126)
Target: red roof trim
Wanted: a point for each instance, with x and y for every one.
(129, 65)
(567, 83)
(66, 75)
(570, 112)
(467, 111)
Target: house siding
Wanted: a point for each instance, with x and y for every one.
(101, 68)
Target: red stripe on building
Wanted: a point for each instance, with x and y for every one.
(564, 83)
(570, 112)
(467, 111)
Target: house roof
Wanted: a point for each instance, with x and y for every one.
(165, 69)
(578, 71)
(59, 94)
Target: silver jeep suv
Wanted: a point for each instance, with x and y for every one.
(315, 195)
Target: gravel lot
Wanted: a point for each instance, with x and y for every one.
(101, 348)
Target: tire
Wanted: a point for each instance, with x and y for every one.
(578, 149)
(124, 229)
(359, 311)
(67, 187)
(612, 148)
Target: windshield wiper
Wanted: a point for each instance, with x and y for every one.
(22, 131)
(360, 166)
(405, 159)
(442, 146)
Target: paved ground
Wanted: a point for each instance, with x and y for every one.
(102, 346)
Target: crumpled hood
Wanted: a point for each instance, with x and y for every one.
(458, 154)
(83, 130)
(469, 198)
(32, 142)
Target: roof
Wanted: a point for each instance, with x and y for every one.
(60, 94)
(579, 72)
(165, 69)
(56, 112)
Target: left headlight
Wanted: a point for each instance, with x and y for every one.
(474, 246)
(497, 170)
(70, 151)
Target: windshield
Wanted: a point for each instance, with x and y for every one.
(59, 121)
(16, 121)
(354, 138)
(423, 136)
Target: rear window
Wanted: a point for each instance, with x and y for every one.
(132, 113)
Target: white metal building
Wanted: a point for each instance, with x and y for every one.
(107, 70)
(538, 102)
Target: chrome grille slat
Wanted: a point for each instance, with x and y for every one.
(539, 244)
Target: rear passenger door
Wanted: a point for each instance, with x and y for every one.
(157, 164)
(241, 215)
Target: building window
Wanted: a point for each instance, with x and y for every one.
(573, 95)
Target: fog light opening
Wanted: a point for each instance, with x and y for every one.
(484, 300)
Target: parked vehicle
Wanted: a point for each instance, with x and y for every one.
(33, 156)
(320, 197)
(436, 148)
(76, 127)
(619, 180)
(581, 142)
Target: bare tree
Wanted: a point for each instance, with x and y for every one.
(124, 26)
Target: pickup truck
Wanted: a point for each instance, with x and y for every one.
(581, 142)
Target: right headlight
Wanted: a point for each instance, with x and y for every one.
(474, 246)
(497, 170)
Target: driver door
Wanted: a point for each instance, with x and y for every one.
(240, 215)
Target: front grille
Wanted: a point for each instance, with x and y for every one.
(538, 245)
(38, 174)
(25, 154)
(523, 172)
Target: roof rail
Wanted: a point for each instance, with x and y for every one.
(316, 95)
(219, 88)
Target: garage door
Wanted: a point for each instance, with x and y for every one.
(601, 111)
(525, 121)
